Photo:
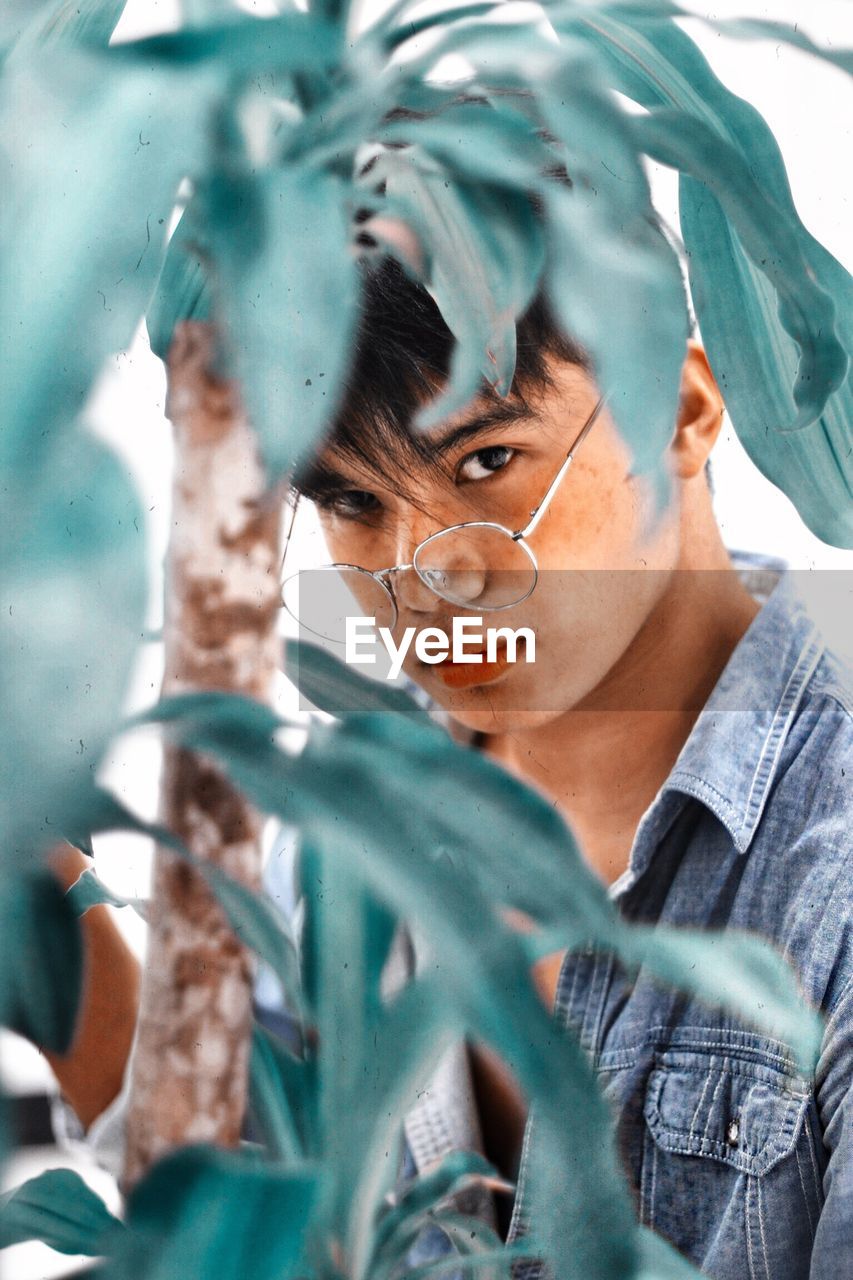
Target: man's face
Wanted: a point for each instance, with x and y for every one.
(594, 547)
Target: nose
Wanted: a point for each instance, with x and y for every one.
(413, 596)
(449, 567)
(410, 530)
(455, 578)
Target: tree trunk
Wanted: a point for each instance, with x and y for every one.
(190, 1064)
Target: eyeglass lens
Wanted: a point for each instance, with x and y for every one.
(321, 600)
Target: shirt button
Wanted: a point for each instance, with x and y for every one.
(733, 1133)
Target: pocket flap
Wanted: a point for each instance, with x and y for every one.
(745, 1114)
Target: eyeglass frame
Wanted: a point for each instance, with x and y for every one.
(519, 536)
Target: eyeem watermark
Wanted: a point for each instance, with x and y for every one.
(432, 644)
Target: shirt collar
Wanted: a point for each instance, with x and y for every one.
(732, 754)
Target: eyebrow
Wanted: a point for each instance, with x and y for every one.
(325, 479)
(494, 416)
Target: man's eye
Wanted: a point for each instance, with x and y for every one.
(350, 502)
(485, 462)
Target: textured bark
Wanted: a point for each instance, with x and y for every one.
(190, 1063)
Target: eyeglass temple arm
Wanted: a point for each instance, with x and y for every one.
(538, 512)
(288, 535)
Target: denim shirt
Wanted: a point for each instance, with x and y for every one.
(745, 1166)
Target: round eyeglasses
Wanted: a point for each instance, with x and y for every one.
(479, 565)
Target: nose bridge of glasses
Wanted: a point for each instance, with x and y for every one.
(439, 563)
(408, 590)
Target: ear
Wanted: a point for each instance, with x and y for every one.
(700, 415)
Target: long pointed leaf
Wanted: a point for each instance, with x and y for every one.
(336, 688)
(286, 291)
(41, 959)
(90, 891)
(59, 1209)
(807, 310)
(280, 1099)
(754, 359)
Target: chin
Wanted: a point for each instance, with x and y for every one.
(491, 709)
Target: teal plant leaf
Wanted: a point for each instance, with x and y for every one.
(202, 1213)
(60, 21)
(254, 918)
(241, 45)
(754, 356)
(399, 1226)
(472, 136)
(384, 801)
(59, 1209)
(285, 290)
(659, 1261)
(95, 152)
(74, 596)
(612, 265)
(80, 840)
(90, 891)
(183, 289)
(806, 310)
(607, 259)
(107, 149)
(762, 29)
(41, 959)
(336, 689)
(282, 1099)
(484, 248)
(421, 761)
(256, 922)
(733, 969)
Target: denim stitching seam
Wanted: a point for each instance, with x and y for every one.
(817, 1179)
(761, 1228)
(686, 1142)
(654, 1186)
(599, 1017)
(584, 1034)
(806, 662)
(721, 1078)
(805, 1193)
(701, 1098)
(749, 1249)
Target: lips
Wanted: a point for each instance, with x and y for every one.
(462, 675)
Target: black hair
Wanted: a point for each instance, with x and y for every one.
(402, 355)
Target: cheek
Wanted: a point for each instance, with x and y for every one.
(585, 623)
(607, 523)
(601, 577)
(588, 618)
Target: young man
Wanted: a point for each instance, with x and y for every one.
(697, 743)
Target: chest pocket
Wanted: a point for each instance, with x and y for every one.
(730, 1149)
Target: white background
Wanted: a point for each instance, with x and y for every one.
(809, 106)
